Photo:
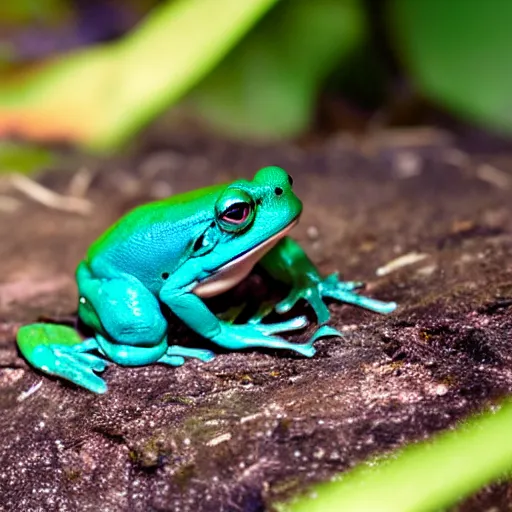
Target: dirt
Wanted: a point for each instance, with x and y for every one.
(251, 428)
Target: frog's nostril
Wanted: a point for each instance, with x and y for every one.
(290, 180)
(278, 191)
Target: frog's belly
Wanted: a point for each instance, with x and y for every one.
(237, 270)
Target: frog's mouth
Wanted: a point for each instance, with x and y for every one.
(230, 274)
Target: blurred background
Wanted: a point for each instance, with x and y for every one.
(97, 73)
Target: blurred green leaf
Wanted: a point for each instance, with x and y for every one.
(423, 477)
(459, 53)
(30, 11)
(267, 86)
(23, 158)
(102, 96)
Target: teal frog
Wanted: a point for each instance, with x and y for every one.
(174, 253)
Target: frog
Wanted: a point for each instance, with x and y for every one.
(175, 253)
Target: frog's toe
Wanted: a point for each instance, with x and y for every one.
(387, 307)
(294, 324)
(318, 305)
(204, 355)
(362, 301)
(326, 332)
(350, 285)
(377, 306)
(194, 353)
(306, 349)
(94, 363)
(172, 360)
(91, 381)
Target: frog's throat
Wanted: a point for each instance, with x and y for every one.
(229, 275)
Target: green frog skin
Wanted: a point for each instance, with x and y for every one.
(176, 252)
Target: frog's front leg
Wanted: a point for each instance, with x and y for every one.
(288, 263)
(194, 312)
(131, 329)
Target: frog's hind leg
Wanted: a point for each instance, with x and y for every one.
(132, 331)
(59, 350)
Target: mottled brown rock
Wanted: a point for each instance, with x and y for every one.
(237, 433)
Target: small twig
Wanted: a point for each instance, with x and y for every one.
(494, 176)
(33, 389)
(48, 197)
(405, 138)
(80, 182)
(456, 157)
(222, 438)
(400, 262)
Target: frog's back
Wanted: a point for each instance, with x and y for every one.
(154, 237)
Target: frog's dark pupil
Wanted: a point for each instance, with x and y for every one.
(278, 191)
(290, 180)
(237, 212)
(165, 275)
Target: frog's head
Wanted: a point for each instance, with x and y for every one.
(250, 218)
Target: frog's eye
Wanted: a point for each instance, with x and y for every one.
(237, 213)
(235, 210)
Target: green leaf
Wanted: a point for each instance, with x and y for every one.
(267, 86)
(423, 477)
(33, 11)
(102, 96)
(23, 158)
(458, 52)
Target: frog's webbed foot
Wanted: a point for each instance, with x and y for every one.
(253, 335)
(331, 287)
(58, 350)
(75, 366)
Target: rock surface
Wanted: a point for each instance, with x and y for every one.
(253, 427)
